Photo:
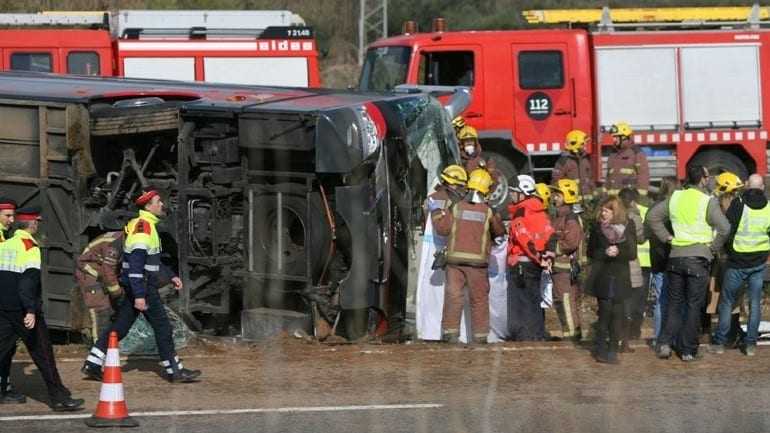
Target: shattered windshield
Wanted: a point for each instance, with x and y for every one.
(429, 134)
(385, 68)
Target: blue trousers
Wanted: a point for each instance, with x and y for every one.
(731, 284)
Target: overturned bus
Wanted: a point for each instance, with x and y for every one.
(292, 199)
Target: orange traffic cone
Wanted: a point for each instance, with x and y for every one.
(112, 410)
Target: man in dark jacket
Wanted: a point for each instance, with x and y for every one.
(747, 249)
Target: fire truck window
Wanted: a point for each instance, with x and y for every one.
(446, 68)
(38, 62)
(541, 70)
(83, 63)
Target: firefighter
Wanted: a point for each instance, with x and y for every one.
(21, 307)
(450, 190)
(694, 216)
(8, 394)
(471, 226)
(140, 275)
(627, 167)
(470, 151)
(97, 277)
(574, 164)
(568, 239)
(529, 233)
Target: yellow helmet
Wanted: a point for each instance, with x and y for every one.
(467, 132)
(576, 140)
(569, 189)
(728, 182)
(480, 180)
(544, 192)
(454, 175)
(458, 123)
(621, 129)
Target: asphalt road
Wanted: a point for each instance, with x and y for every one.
(295, 387)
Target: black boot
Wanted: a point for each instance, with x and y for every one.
(183, 375)
(92, 371)
(65, 403)
(8, 394)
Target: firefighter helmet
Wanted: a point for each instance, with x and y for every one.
(468, 132)
(525, 184)
(728, 182)
(621, 129)
(454, 175)
(569, 189)
(576, 141)
(480, 180)
(544, 192)
(458, 123)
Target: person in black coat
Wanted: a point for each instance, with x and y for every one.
(611, 246)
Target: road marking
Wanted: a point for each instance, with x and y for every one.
(236, 411)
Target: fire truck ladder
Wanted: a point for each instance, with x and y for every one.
(153, 23)
(610, 19)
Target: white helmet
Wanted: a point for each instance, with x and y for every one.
(525, 184)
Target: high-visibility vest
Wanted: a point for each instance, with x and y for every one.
(751, 236)
(687, 211)
(141, 235)
(469, 217)
(19, 253)
(643, 250)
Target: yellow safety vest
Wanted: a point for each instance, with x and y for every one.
(643, 250)
(687, 211)
(751, 236)
(19, 253)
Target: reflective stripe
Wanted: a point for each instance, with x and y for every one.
(111, 392)
(469, 215)
(643, 250)
(687, 212)
(568, 315)
(113, 358)
(113, 288)
(480, 257)
(627, 171)
(751, 235)
(90, 270)
(135, 275)
(98, 353)
(94, 360)
(126, 265)
(152, 268)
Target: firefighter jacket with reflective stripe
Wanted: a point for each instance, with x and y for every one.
(141, 255)
(628, 168)
(20, 274)
(101, 259)
(643, 249)
(569, 237)
(470, 228)
(577, 168)
(530, 231)
(687, 211)
(752, 233)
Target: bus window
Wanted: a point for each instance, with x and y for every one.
(83, 63)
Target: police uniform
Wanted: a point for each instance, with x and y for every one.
(97, 275)
(140, 276)
(21, 295)
(7, 393)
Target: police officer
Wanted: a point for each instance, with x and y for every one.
(747, 254)
(21, 314)
(471, 226)
(8, 395)
(574, 164)
(694, 215)
(140, 276)
(528, 237)
(97, 277)
(627, 167)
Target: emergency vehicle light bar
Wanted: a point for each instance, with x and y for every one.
(647, 15)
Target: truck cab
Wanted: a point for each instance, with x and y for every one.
(529, 87)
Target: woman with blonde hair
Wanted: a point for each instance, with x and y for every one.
(611, 246)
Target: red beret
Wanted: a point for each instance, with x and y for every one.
(145, 197)
(7, 204)
(28, 214)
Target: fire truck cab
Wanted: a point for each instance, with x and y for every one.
(236, 47)
(690, 81)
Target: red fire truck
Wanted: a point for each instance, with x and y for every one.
(694, 84)
(237, 47)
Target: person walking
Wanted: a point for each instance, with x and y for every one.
(141, 273)
(21, 307)
(611, 247)
(694, 216)
(529, 235)
(8, 395)
(565, 250)
(470, 226)
(747, 248)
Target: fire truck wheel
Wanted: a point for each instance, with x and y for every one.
(499, 196)
(718, 161)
